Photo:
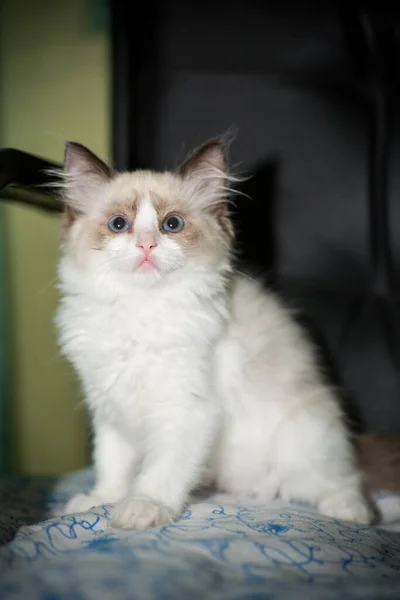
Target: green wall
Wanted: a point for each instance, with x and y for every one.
(54, 87)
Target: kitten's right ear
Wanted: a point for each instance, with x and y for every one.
(84, 173)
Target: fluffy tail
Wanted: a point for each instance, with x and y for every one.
(379, 458)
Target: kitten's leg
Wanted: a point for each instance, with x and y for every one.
(333, 485)
(318, 462)
(242, 463)
(304, 456)
(173, 465)
(114, 460)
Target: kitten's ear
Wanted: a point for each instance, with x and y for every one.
(208, 160)
(206, 173)
(84, 173)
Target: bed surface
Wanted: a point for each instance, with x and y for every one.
(220, 548)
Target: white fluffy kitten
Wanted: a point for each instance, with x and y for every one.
(188, 368)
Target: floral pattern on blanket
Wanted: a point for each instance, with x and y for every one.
(220, 548)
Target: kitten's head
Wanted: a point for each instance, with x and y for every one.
(146, 227)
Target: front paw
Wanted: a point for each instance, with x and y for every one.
(140, 512)
(82, 503)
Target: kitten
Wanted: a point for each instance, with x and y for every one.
(189, 369)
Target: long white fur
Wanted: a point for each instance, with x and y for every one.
(192, 373)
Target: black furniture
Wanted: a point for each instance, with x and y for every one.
(25, 178)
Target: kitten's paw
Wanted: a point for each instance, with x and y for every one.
(348, 507)
(388, 509)
(139, 512)
(82, 503)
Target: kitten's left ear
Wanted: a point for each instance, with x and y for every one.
(208, 161)
(207, 175)
(84, 173)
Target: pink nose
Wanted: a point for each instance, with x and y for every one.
(147, 245)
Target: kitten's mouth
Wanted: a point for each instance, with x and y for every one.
(146, 265)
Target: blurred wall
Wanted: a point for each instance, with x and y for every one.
(54, 87)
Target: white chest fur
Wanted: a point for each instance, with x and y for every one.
(130, 352)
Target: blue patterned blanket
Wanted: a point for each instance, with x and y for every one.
(220, 549)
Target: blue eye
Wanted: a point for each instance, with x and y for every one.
(118, 224)
(173, 223)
